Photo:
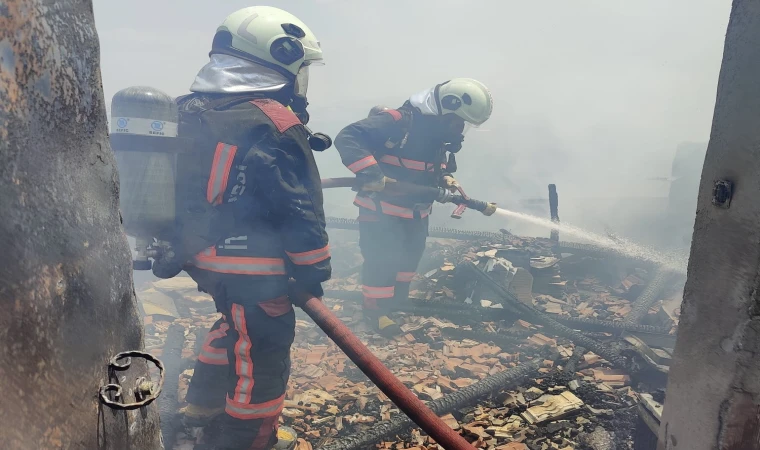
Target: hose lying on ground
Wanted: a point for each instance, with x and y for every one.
(572, 363)
(458, 311)
(376, 371)
(609, 326)
(459, 399)
(650, 295)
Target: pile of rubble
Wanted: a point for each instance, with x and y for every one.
(460, 333)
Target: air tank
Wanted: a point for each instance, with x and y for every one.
(144, 124)
(377, 110)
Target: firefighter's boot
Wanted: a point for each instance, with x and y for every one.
(286, 439)
(382, 323)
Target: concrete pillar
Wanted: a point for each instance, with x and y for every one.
(67, 303)
(713, 395)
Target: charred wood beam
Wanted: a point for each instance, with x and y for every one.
(456, 400)
(561, 330)
(66, 290)
(595, 251)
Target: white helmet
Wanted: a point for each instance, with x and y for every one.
(467, 98)
(271, 37)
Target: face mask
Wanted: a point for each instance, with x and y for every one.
(453, 128)
(455, 145)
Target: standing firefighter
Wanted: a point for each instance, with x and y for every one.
(251, 180)
(406, 144)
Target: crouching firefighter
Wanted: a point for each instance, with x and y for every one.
(407, 144)
(250, 218)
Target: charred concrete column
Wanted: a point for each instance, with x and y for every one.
(66, 299)
(713, 395)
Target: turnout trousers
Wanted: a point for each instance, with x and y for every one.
(244, 363)
(392, 248)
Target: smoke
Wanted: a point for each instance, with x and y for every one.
(592, 96)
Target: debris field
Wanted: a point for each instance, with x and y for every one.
(461, 336)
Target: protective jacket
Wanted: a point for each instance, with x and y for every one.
(249, 196)
(398, 144)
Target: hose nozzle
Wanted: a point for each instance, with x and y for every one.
(489, 210)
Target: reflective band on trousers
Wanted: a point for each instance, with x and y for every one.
(391, 210)
(246, 411)
(362, 164)
(220, 172)
(310, 257)
(407, 163)
(240, 265)
(243, 361)
(378, 292)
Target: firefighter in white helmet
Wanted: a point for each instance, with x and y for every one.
(408, 144)
(251, 167)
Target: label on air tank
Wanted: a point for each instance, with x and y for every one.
(145, 127)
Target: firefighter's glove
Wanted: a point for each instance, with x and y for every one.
(490, 209)
(377, 185)
(450, 183)
(163, 268)
(168, 264)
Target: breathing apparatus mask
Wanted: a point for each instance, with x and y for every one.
(318, 142)
(453, 130)
(451, 127)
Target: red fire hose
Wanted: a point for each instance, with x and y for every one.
(428, 193)
(399, 394)
(395, 187)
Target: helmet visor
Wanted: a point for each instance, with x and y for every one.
(302, 81)
(468, 126)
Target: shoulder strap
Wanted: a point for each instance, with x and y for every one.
(282, 117)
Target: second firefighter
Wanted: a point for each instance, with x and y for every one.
(407, 144)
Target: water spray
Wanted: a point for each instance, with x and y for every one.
(620, 245)
(430, 194)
